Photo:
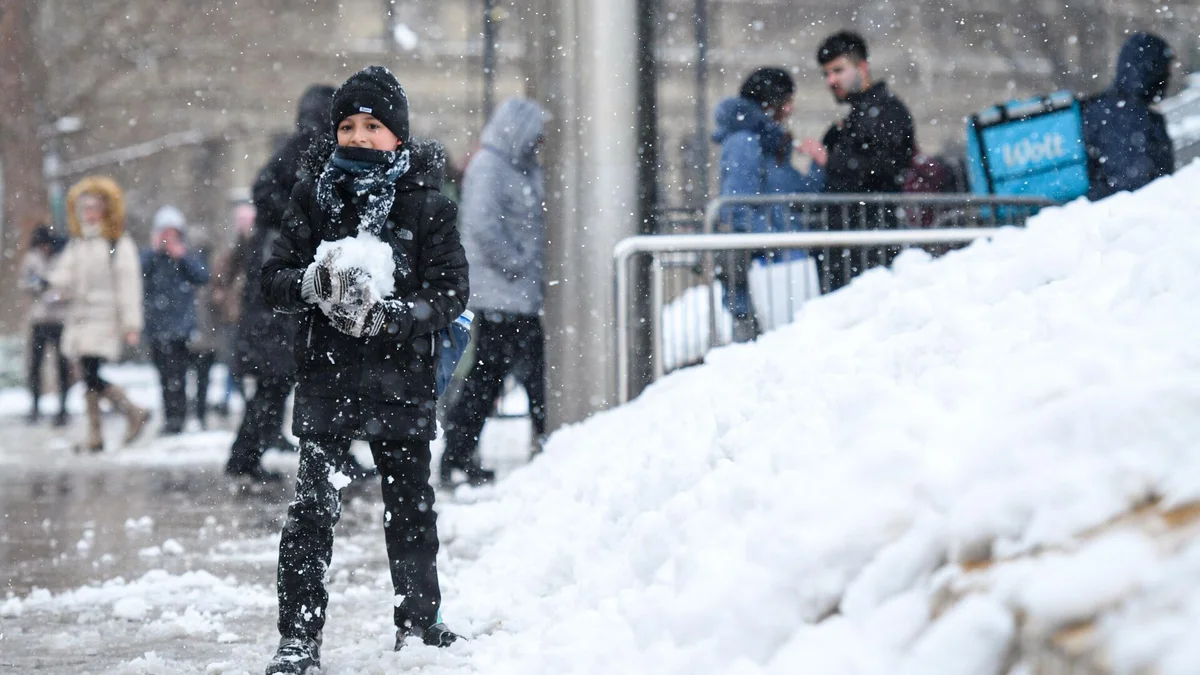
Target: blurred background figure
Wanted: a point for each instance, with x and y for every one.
(756, 159)
(503, 229)
(868, 151)
(171, 272)
(100, 277)
(265, 339)
(46, 314)
(1126, 139)
(205, 339)
(225, 296)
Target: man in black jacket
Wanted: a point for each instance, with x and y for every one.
(263, 349)
(868, 151)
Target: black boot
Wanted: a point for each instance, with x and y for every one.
(475, 473)
(296, 656)
(437, 635)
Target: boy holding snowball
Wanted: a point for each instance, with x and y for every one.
(370, 254)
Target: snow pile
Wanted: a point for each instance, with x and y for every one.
(810, 503)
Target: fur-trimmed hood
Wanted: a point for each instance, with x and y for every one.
(114, 202)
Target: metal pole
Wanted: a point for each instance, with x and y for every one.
(657, 301)
(489, 58)
(701, 27)
(647, 185)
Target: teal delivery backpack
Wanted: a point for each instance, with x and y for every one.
(1030, 148)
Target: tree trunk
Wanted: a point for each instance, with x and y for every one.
(25, 201)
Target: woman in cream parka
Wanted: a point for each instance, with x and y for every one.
(100, 278)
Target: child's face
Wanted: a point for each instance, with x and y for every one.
(361, 130)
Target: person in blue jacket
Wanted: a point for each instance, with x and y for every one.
(171, 273)
(1126, 138)
(756, 153)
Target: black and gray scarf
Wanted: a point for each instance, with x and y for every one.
(363, 171)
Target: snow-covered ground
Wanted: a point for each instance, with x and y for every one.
(960, 466)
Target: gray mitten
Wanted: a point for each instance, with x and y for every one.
(359, 319)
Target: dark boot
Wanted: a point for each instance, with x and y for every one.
(437, 635)
(475, 473)
(296, 656)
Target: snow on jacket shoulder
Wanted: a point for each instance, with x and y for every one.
(1126, 139)
(502, 217)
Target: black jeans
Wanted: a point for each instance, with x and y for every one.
(506, 343)
(410, 531)
(47, 335)
(171, 357)
(202, 362)
(262, 423)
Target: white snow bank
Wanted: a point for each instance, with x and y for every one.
(796, 505)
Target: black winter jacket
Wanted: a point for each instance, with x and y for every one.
(264, 337)
(382, 387)
(1126, 139)
(870, 150)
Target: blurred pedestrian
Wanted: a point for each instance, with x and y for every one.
(171, 273)
(756, 159)
(226, 288)
(868, 151)
(46, 314)
(503, 228)
(205, 340)
(366, 362)
(1126, 138)
(100, 277)
(264, 346)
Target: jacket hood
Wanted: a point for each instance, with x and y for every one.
(312, 116)
(1143, 67)
(734, 115)
(514, 130)
(427, 161)
(114, 202)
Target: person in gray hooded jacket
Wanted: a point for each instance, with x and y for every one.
(502, 222)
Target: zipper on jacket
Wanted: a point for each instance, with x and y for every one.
(308, 342)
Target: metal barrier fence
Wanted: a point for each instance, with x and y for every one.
(701, 285)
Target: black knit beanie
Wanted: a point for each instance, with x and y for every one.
(375, 91)
(770, 87)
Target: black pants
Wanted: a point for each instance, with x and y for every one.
(171, 358)
(506, 343)
(837, 267)
(47, 335)
(202, 362)
(262, 423)
(410, 530)
(90, 365)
